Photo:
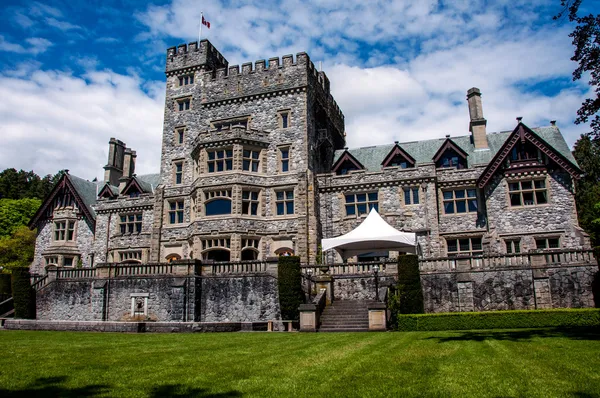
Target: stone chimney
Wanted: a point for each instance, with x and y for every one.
(113, 170)
(478, 122)
(128, 167)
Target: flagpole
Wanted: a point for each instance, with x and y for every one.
(200, 32)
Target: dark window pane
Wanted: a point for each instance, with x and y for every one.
(461, 206)
(361, 197)
(374, 206)
(172, 218)
(447, 194)
(279, 195)
(541, 198)
(513, 186)
(472, 205)
(452, 245)
(280, 209)
(540, 184)
(528, 198)
(350, 210)
(553, 243)
(449, 207)
(246, 165)
(471, 193)
(362, 208)
(290, 207)
(476, 243)
(415, 196)
(254, 209)
(526, 185)
(406, 196)
(464, 245)
(284, 165)
(540, 243)
(122, 228)
(211, 156)
(349, 198)
(515, 199)
(218, 206)
(459, 194)
(372, 196)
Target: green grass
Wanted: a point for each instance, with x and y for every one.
(523, 363)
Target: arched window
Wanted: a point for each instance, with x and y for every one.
(217, 255)
(284, 251)
(173, 257)
(249, 254)
(218, 203)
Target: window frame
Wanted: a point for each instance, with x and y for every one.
(454, 200)
(183, 104)
(64, 230)
(179, 135)
(134, 225)
(284, 160)
(176, 212)
(218, 195)
(185, 80)
(285, 201)
(547, 240)
(411, 191)
(512, 246)
(250, 202)
(178, 172)
(521, 191)
(460, 252)
(356, 203)
(226, 160)
(251, 160)
(284, 118)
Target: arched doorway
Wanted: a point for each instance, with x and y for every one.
(249, 255)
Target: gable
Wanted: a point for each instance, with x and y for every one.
(64, 193)
(450, 150)
(397, 156)
(515, 153)
(108, 192)
(346, 162)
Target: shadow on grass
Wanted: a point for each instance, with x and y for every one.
(52, 387)
(522, 335)
(179, 391)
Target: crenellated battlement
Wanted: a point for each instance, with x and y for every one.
(201, 55)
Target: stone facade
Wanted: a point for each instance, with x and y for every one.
(253, 166)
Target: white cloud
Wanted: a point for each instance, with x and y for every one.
(61, 25)
(52, 120)
(35, 45)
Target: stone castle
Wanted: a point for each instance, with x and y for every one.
(254, 166)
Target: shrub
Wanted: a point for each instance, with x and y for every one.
(289, 282)
(500, 320)
(410, 294)
(23, 293)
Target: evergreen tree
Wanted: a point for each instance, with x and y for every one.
(586, 39)
(587, 154)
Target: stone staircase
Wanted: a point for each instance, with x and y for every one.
(346, 316)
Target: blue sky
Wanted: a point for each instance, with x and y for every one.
(75, 73)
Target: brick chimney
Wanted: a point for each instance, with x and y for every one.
(478, 122)
(113, 170)
(128, 167)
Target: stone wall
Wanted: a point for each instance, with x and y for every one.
(524, 288)
(358, 287)
(239, 299)
(162, 298)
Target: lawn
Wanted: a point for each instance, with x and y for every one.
(523, 363)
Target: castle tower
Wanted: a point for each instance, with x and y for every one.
(240, 150)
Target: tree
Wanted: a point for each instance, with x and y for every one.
(17, 251)
(587, 154)
(25, 184)
(586, 39)
(16, 213)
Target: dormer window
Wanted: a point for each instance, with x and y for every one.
(346, 163)
(450, 155)
(398, 158)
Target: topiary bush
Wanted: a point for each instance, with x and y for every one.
(289, 281)
(23, 293)
(410, 293)
(579, 317)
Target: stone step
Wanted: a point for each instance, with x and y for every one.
(344, 330)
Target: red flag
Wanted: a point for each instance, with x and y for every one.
(205, 22)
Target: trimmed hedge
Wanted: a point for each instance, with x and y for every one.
(23, 293)
(516, 319)
(410, 294)
(289, 280)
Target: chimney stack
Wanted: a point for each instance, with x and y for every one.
(113, 170)
(128, 167)
(478, 123)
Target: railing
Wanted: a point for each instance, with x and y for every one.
(507, 261)
(362, 268)
(7, 307)
(75, 273)
(40, 283)
(237, 268)
(142, 269)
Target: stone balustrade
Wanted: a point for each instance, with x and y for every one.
(539, 258)
(175, 268)
(362, 268)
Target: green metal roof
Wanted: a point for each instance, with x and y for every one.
(423, 151)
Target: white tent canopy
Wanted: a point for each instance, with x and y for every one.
(373, 234)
